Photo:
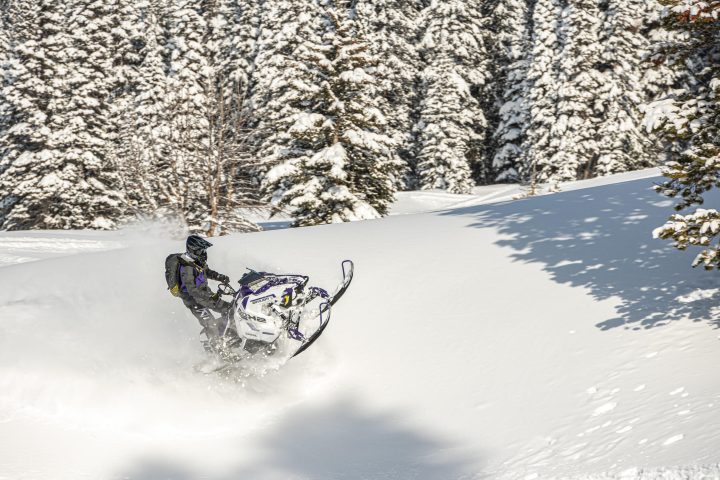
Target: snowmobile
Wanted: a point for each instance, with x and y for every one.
(276, 312)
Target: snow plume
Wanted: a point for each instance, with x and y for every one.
(161, 229)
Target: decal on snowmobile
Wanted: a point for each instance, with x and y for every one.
(262, 299)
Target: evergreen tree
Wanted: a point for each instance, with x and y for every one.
(345, 167)
(462, 91)
(189, 77)
(392, 32)
(359, 111)
(512, 21)
(142, 122)
(285, 76)
(5, 27)
(542, 96)
(690, 119)
(88, 118)
(55, 171)
(235, 29)
(623, 144)
(586, 90)
(203, 134)
(452, 123)
(659, 77)
(574, 136)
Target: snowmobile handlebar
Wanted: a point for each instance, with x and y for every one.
(226, 289)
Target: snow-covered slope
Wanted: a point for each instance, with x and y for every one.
(433, 200)
(550, 337)
(20, 247)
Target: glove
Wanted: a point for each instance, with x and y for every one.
(223, 278)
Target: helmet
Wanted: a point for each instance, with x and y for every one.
(196, 247)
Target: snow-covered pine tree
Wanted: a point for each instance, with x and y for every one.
(392, 31)
(659, 77)
(343, 167)
(130, 27)
(225, 162)
(55, 172)
(233, 44)
(574, 134)
(88, 119)
(235, 29)
(188, 82)
(511, 20)
(623, 145)
(202, 173)
(140, 145)
(542, 96)
(306, 178)
(5, 27)
(4, 39)
(691, 119)
(452, 124)
(285, 76)
(359, 110)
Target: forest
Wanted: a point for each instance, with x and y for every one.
(324, 109)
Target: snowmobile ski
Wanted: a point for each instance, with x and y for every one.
(348, 269)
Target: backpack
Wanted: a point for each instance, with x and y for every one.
(172, 273)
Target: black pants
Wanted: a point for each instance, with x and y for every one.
(212, 327)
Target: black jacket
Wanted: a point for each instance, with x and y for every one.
(194, 285)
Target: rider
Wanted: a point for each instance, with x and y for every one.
(195, 292)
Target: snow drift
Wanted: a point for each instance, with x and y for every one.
(543, 338)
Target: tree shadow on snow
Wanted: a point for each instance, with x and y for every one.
(340, 442)
(601, 238)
